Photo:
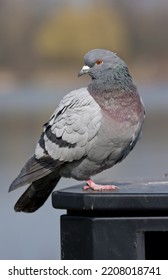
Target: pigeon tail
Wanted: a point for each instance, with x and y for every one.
(36, 194)
(31, 172)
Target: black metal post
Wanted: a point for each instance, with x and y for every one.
(129, 223)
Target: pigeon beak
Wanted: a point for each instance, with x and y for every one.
(85, 69)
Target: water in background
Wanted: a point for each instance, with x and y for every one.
(23, 110)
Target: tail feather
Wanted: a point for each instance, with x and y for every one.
(32, 171)
(36, 194)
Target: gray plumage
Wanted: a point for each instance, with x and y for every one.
(92, 129)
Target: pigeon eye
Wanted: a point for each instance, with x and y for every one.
(99, 61)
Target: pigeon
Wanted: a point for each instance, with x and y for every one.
(92, 129)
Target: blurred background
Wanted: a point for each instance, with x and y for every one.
(41, 52)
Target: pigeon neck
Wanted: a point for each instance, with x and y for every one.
(113, 97)
(118, 79)
(112, 86)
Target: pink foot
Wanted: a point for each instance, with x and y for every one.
(96, 187)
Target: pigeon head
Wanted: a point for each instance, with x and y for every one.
(104, 65)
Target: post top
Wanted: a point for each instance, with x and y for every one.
(131, 196)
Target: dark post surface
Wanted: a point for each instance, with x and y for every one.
(127, 223)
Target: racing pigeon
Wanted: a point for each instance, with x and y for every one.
(92, 129)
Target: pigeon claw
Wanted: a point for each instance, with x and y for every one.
(95, 187)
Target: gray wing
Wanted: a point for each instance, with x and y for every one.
(66, 137)
(71, 129)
